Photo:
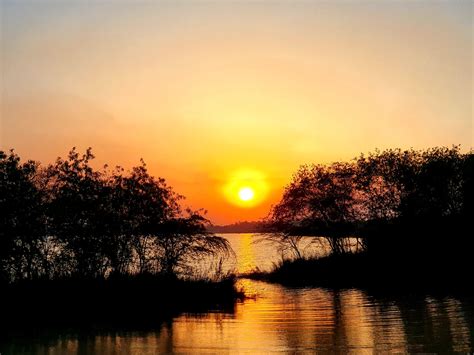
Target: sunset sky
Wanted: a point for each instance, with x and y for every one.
(219, 96)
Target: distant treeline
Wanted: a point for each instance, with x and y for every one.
(239, 227)
(410, 204)
(69, 220)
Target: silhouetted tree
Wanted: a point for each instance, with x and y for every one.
(77, 205)
(71, 220)
(320, 201)
(22, 221)
(406, 192)
(142, 204)
(185, 240)
(410, 184)
(467, 209)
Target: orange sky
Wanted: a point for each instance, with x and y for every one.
(204, 91)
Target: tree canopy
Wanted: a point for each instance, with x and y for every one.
(71, 220)
(402, 187)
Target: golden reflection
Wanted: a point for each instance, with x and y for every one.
(246, 261)
(361, 324)
(458, 327)
(393, 330)
(280, 319)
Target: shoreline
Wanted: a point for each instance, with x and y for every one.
(120, 302)
(360, 270)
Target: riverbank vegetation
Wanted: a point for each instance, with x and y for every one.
(79, 237)
(405, 215)
(410, 211)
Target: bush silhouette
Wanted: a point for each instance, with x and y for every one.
(407, 204)
(69, 220)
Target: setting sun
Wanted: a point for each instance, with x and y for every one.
(246, 194)
(246, 188)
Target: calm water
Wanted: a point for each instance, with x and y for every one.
(291, 320)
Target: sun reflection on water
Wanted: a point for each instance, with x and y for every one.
(246, 261)
(280, 319)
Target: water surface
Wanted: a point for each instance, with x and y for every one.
(281, 319)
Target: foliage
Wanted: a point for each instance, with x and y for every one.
(372, 193)
(71, 220)
(22, 222)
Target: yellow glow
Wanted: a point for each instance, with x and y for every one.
(246, 194)
(246, 188)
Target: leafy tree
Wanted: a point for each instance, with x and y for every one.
(467, 194)
(412, 190)
(77, 204)
(71, 220)
(411, 184)
(320, 201)
(22, 222)
(140, 205)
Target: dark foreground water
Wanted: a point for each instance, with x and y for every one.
(280, 319)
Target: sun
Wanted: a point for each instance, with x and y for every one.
(246, 188)
(246, 193)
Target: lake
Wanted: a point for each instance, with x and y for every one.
(281, 319)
